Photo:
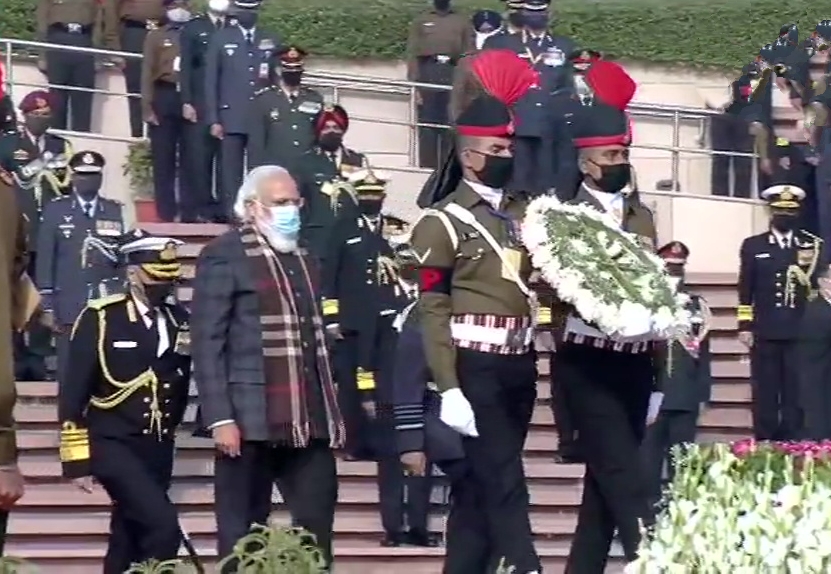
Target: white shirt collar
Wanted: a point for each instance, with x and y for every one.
(781, 238)
(609, 201)
(492, 196)
(93, 203)
(247, 31)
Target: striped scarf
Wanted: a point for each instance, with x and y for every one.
(288, 408)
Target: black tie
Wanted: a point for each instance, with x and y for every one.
(88, 210)
(249, 36)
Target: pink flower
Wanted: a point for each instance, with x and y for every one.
(743, 448)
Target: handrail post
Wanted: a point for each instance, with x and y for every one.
(9, 67)
(412, 120)
(676, 154)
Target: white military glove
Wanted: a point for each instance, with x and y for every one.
(655, 401)
(457, 413)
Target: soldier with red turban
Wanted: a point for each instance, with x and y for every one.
(320, 173)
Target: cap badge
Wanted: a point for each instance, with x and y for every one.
(293, 54)
(88, 159)
(786, 194)
(168, 253)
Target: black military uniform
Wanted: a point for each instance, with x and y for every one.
(777, 276)
(201, 148)
(792, 167)
(120, 405)
(281, 116)
(548, 55)
(513, 25)
(36, 166)
(320, 174)
(436, 42)
(814, 352)
(162, 109)
(83, 24)
(138, 17)
(237, 64)
(73, 264)
(362, 296)
(686, 380)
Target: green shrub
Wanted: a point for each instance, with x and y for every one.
(723, 34)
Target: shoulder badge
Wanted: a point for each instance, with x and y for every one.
(99, 304)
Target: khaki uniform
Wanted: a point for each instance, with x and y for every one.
(161, 101)
(436, 42)
(477, 287)
(137, 18)
(81, 24)
(476, 329)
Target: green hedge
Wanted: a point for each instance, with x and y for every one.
(724, 34)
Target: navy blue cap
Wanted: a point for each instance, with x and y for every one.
(247, 4)
(485, 21)
(790, 32)
(536, 5)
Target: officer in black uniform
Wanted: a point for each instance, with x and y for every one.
(486, 23)
(281, 116)
(777, 275)
(73, 265)
(238, 63)
(201, 148)
(686, 382)
(36, 166)
(548, 55)
(513, 25)
(121, 402)
(362, 296)
(792, 165)
(321, 174)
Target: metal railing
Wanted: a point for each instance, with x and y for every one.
(336, 83)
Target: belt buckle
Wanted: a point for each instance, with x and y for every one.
(516, 338)
(74, 28)
(442, 59)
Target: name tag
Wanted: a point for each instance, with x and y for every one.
(309, 107)
(263, 71)
(511, 264)
(177, 64)
(125, 344)
(353, 240)
(762, 255)
(108, 228)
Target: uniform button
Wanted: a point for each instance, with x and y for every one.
(167, 415)
(305, 345)
(147, 400)
(369, 282)
(147, 415)
(145, 431)
(164, 431)
(166, 386)
(294, 127)
(778, 285)
(538, 104)
(778, 294)
(251, 69)
(296, 143)
(779, 304)
(167, 401)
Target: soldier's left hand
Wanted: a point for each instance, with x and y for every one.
(369, 408)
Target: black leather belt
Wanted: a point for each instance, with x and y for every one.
(71, 28)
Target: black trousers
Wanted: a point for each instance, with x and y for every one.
(359, 428)
(4, 524)
(730, 133)
(231, 170)
(32, 346)
(167, 148)
(502, 390)
(202, 151)
(566, 434)
(609, 396)
(307, 479)
(670, 429)
(136, 472)
(62, 351)
(468, 545)
(533, 165)
(773, 375)
(405, 500)
(132, 40)
(433, 142)
(74, 70)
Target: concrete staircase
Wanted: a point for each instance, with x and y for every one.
(64, 530)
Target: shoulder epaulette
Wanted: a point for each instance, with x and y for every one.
(99, 304)
(263, 90)
(814, 238)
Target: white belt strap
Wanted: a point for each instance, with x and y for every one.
(441, 216)
(468, 218)
(398, 324)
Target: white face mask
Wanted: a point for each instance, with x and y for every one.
(219, 6)
(178, 15)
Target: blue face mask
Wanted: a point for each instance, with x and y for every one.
(285, 220)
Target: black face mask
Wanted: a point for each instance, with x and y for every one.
(497, 171)
(516, 19)
(246, 18)
(330, 141)
(87, 185)
(370, 207)
(613, 178)
(292, 79)
(538, 21)
(783, 222)
(37, 124)
(441, 5)
(157, 293)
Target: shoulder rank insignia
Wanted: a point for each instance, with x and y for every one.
(99, 304)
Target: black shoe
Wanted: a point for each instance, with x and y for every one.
(421, 538)
(393, 540)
